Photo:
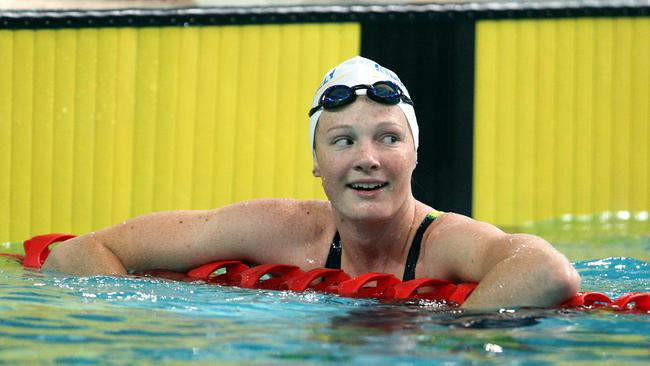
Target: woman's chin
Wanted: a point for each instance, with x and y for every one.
(368, 212)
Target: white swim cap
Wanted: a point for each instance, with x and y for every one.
(359, 71)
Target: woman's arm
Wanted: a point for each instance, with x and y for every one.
(257, 231)
(511, 269)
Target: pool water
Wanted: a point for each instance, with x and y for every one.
(57, 319)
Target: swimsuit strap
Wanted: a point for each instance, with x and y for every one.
(414, 251)
(334, 256)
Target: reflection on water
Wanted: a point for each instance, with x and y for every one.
(412, 317)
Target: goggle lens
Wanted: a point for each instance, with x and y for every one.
(386, 92)
(337, 96)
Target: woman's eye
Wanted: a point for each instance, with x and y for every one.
(343, 141)
(389, 139)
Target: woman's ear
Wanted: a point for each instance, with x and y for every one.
(316, 170)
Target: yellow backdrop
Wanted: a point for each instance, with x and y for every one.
(561, 118)
(99, 125)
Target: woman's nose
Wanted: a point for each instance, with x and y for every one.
(367, 159)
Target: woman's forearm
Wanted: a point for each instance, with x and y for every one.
(84, 255)
(534, 279)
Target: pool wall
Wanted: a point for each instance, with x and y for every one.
(525, 113)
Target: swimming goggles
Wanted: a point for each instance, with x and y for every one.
(385, 92)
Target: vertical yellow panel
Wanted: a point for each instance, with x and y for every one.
(350, 42)
(591, 117)
(602, 104)
(247, 107)
(206, 97)
(6, 93)
(144, 128)
(486, 62)
(268, 90)
(42, 131)
(621, 113)
(564, 135)
(226, 114)
(84, 130)
(64, 116)
(289, 111)
(527, 88)
(546, 121)
(104, 120)
(309, 74)
(185, 123)
(639, 151)
(124, 118)
(166, 121)
(584, 114)
(506, 123)
(21, 130)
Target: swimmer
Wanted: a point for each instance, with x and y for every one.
(364, 139)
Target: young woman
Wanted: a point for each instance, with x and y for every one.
(364, 136)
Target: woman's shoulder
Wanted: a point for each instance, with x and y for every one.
(451, 225)
(455, 221)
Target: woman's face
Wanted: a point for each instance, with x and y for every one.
(365, 156)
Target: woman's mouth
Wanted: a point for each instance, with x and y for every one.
(367, 186)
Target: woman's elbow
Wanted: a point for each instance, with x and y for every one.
(60, 259)
(561, 277)
(568, 280)
(549, 270)
(84, 256)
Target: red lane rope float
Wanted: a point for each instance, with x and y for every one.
(230, 277)
(318, 279)
(376, 285)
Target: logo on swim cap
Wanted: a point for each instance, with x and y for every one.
(327, 78)
(388, 73)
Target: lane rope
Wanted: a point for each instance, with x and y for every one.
(286, 277)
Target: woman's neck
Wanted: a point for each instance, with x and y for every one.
(379, 245)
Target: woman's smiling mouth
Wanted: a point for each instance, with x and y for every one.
(367, 186)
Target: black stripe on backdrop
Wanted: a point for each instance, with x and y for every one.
(240, 15)
(435, 60)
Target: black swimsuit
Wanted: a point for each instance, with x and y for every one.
(334, 256)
